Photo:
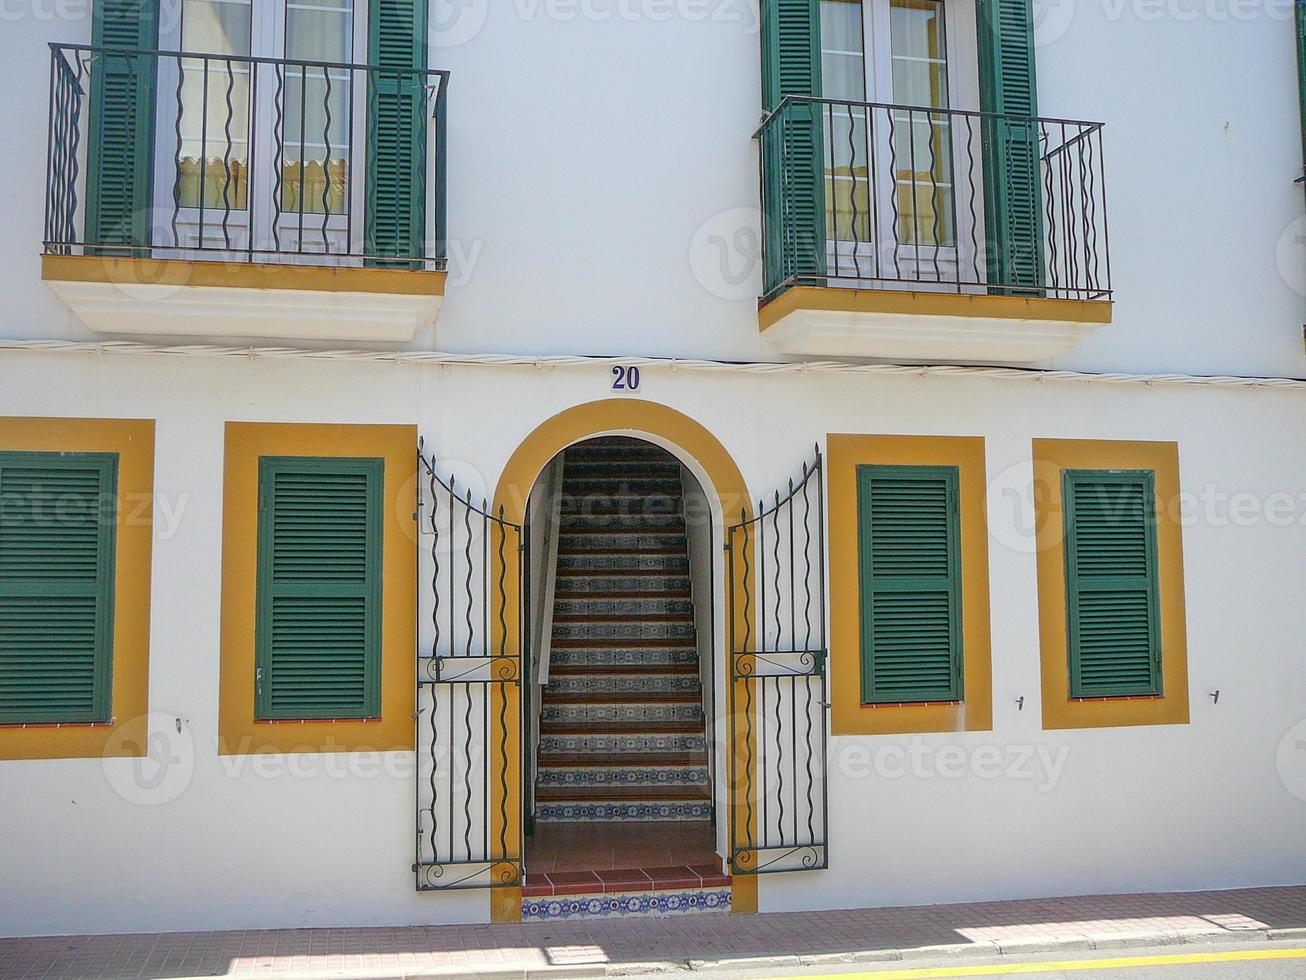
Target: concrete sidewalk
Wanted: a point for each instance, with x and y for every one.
(774, 941)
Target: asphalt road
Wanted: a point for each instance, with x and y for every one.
(1260, 961)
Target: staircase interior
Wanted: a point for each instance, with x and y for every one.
(623, 798)
(622, 727)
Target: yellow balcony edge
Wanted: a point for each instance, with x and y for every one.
(240, 275)
(907, 303)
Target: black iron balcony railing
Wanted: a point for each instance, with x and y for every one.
(900, 197)
(174, 154)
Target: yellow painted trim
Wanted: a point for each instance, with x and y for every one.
(238, 732)
(849, 715)
(505, 904)
(1051, 456)
(240, 275)
(1066, 966)
(833, 299)
(133, 441)
(519, 476)
(743, 895)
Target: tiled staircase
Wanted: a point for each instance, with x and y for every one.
(622, 726)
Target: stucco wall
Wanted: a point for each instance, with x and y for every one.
(302, 840)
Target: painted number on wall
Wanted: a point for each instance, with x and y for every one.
(625, 378)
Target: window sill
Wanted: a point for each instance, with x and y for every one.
(177, 297)
(836, 321)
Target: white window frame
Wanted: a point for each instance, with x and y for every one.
(267, 40)
(916, 262)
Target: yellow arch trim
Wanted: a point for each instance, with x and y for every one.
(604, 417)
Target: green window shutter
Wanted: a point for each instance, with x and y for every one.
(1300, 7)
(58, 513)
(1112, 607)
(792, 146)
(909, 543)
(318, 633)
(396, 147)
(120, 157)
(1012, 198)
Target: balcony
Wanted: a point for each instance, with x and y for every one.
(191, 194)
(930, 234)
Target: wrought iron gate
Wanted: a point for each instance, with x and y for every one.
(468, 682)
(778, 696)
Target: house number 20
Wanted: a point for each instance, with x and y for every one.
(625, 378)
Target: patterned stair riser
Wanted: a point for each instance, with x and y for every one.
(625, 905)
(622, 604)
(626, 775)
(623, 631)
(668, 606)
(645, 487)
(587, 515)
(617, 657)
(575, 714)
(627, 683)
(653, 584)
(626, 744)
(619, 540)
(583, 812)
(595, 563)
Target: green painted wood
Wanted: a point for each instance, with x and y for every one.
(395, 223)
(318, 610)
(1013, 209)
(1300, 21)
(1112, 600)
(120, 153)
(58, 514)
(794, 184)
(909, 554)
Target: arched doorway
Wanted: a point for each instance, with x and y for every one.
(620, 687)
(670, 439)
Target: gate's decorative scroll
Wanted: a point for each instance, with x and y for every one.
(778, 697)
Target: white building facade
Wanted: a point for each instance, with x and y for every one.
(477, 462)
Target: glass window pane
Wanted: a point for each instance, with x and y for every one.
(315, 169)
(843, 61)
(919, 53)
(213, 157)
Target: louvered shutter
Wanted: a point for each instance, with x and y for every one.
(319, 588)
(120, 155)
(794, 195)
(1111, 588)
(396, 148)
(57, 518)
(909, 544)
(1012, 197)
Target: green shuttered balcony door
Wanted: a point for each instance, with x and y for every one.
(1112, 600)
(910, 572)
(318, 631)
(58, 513)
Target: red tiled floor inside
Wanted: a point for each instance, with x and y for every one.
(584, 858)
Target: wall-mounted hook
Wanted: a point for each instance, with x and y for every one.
(1020, 703)
(1215, 696)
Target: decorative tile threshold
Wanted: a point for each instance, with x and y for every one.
(631, 893)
